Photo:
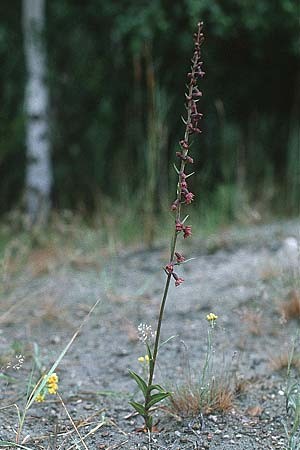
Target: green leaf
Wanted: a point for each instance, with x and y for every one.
(149, 422)
(138, 407)
(176, 170)
(157, 387)
(155, 398)
(169, 339)
(190, 174)
(149, 351)
(140, 382)
(149, 356)
(183, 120)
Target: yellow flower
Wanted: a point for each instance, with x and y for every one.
(211, 317)
(40, 398)
(53, 390)
(52, 384)
(53, 379)
(143, 359)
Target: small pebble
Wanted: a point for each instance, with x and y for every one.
(213, 418)
(55, 340)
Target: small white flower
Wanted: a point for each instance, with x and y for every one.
(145, 332)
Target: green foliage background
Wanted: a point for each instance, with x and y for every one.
(117, 71)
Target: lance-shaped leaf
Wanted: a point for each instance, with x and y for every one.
(175, 167)
(138, 407)
(189, 175)
(157, 387)
(140, 382)
(150, 422)
(155, 398)
(171, 337)
(149, 356)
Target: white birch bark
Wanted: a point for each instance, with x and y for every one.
(38, 167)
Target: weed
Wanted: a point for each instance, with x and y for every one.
(290, 307)
(188, 400)
(283, 360)
(211, 393)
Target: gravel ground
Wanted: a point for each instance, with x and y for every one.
(242, 275)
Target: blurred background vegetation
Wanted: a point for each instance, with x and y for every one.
(116, 74)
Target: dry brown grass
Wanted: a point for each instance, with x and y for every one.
(188, 400)
(42, 261)
(290, 307)
(48, 259)
(281, 361)
(253, 321)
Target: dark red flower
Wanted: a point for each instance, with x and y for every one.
(179, 258)
(197, 93)
(183, 185)
(184, 144)
(169, 268)
(179, 226)
(175, 204)
(178, 280)
(187, 231)
(189, 197)
(197, 130)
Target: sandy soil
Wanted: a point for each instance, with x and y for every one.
(243, 276)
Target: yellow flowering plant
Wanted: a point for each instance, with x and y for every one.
(211, 319)
(51, 387)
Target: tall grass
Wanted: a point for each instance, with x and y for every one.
(155, 156)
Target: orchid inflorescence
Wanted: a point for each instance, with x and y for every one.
(184, 196)
(155, 393)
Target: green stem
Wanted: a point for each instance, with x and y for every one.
(157, 337)
(207, 358)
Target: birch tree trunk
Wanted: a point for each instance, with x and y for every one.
(38, 167)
